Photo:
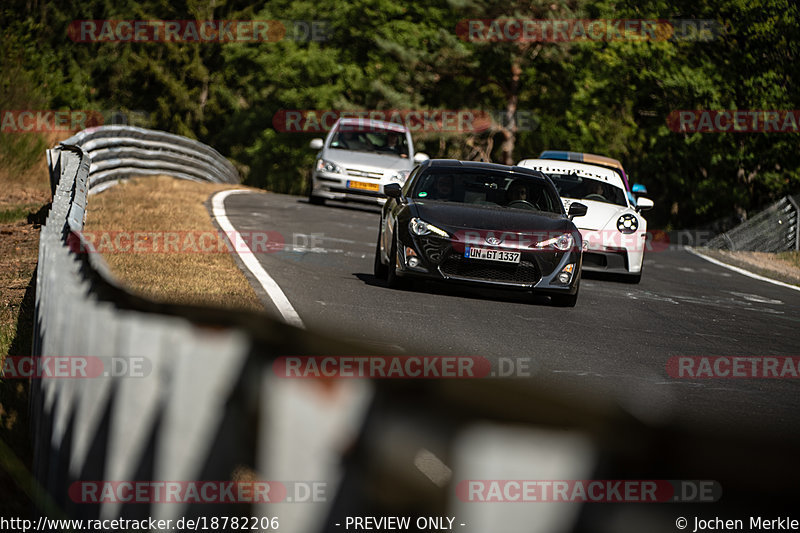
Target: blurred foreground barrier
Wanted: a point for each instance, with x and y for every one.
(204, 407)
(775, 229)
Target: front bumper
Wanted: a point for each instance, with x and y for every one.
(348, 188)
(618, 253)
(443, 259)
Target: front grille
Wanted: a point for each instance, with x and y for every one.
(363, 173)
(456, 265)
(606, 260)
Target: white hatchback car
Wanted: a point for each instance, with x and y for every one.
(358, 157)
(614, 231)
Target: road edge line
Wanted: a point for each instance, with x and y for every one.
(741, 270)
(274, 292)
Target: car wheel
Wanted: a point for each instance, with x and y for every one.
(316, 200)
(380, 270)
(392, 279)
(565, 300)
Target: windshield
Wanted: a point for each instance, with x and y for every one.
(583, 188)
(491, 189)
(371, 140)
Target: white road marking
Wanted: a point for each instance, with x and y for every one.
(756, 298)
(249, 259)
(741, 270)
(323, 237)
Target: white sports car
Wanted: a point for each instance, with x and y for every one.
(614, 231)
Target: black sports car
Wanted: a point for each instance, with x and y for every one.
(481, 223)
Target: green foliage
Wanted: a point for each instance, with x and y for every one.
(610, 98)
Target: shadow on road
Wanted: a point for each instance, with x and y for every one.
(459, 291)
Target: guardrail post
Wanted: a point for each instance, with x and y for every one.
(796, 222)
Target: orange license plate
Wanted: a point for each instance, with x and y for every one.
(364, 186)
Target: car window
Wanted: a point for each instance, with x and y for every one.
(488, 189)
(371, 140)
(583, 188)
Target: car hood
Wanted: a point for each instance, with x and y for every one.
(459, 217)
(599, 214)
(367, 160)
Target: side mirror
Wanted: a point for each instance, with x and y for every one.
(392, 190)
(577, 209)
(638, 189)
(419, 157)
(316, 144)
(643, 204)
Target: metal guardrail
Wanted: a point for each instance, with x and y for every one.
(120, 152)
(775, 229)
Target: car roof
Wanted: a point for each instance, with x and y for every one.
(481, 165)
(591, 159)
(581, 169)
(370, 123)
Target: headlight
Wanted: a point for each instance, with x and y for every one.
(327, 166)
(420, 227)
(400, 176)
(627, 223)
(563, 242)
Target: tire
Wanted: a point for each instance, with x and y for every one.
(392, 279)
(316, 200)
(380, 270)
(565, 300)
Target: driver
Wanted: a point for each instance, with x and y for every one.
(393, 144)
(517, 191)
(444, 187)
(595, 188)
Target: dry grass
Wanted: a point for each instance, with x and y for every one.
(783, 267)
(793, 258)
(24, 192)
(165, 204)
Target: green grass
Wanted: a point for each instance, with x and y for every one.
(18, 213)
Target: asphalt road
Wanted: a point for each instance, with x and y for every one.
(616, 341)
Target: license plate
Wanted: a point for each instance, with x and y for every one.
(488, 254)
(364, 186)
